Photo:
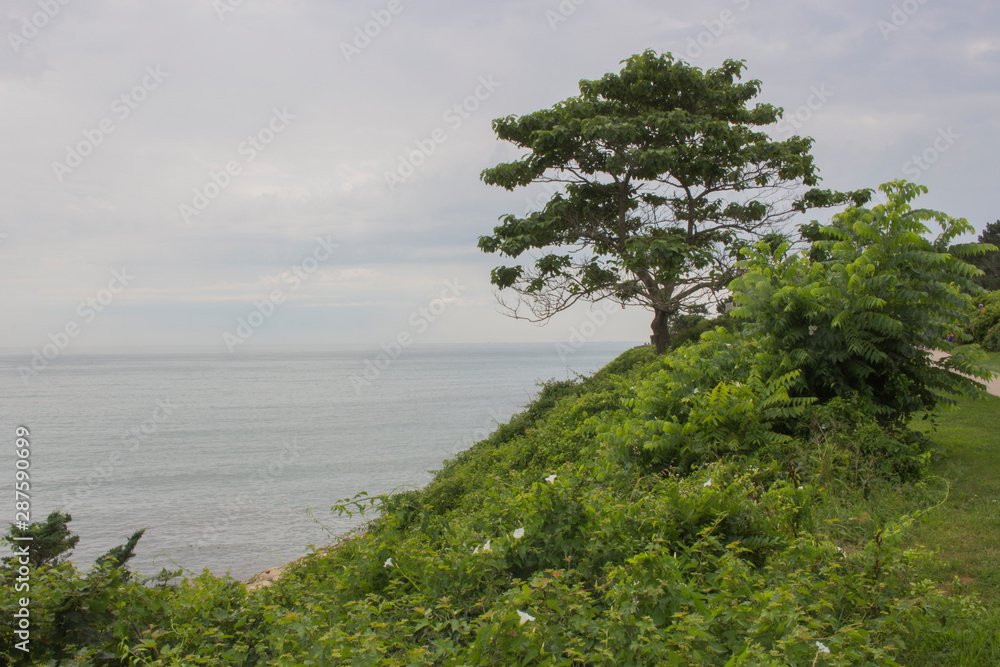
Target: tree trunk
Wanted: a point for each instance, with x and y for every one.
(661, 330)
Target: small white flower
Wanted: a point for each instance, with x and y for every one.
(801, 488)
(821, 648)
(475, 551)
(695, 390)
(486, 547)
(812, 329)
(551, 479)
(708, 483)
(388, 562)
(525, 617)
(519, 533)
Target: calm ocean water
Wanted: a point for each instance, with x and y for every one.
(220, 456)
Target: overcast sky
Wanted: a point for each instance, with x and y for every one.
(176, 161)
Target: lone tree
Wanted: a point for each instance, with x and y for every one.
(661, 171)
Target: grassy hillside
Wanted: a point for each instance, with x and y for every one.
(966, 533)
(650, 514)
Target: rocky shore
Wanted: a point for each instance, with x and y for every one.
(272, 574)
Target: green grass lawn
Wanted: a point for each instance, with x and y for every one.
(964, 533)
(993, 361)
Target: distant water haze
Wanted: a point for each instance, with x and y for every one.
(220, 455)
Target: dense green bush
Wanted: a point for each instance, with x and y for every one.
(989, 262)
(991, 341)
(860, 312)
(51, 540)
(985, 326)
(865, 450)
(689, 328)
(72, 615)
(708, 401)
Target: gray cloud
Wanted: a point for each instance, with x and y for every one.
(890, 94)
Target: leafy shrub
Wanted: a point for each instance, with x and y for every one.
(985, 326)
(689, 328)
(715, 568)
(845, 434)
(989, 262)
(72, 615)
(860, 312)
(991, 341)
(708, 401)
(51, 541)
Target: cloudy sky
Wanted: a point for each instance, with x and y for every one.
(171, 166)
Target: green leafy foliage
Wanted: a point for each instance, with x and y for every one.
(709, 401)
(985, 326)
(689, 328)
(120, 555)
(862, 310)
(51, 540)
(72, 616)
(989, 262)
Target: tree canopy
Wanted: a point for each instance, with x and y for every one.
(51, 540)
(989, 262)
(661, 170)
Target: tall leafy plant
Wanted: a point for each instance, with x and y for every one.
(862, 310)
(711, 400)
